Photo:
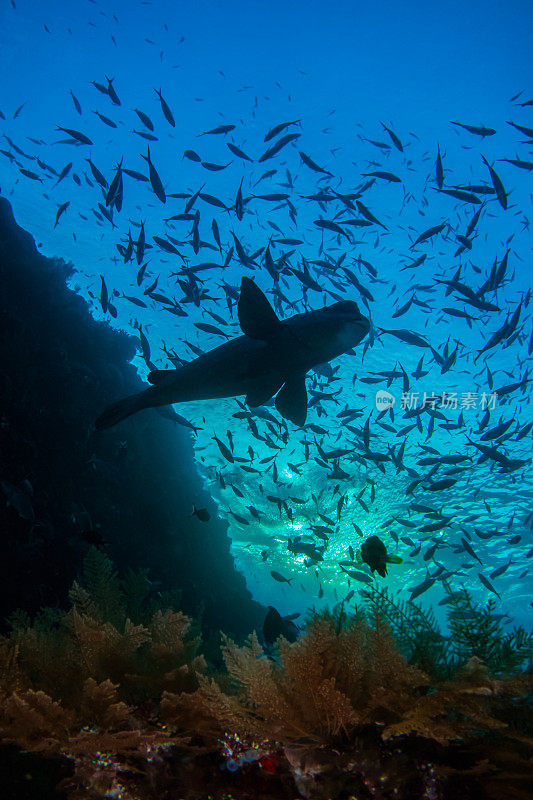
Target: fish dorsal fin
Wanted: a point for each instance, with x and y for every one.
(291, 400)
(257, 318)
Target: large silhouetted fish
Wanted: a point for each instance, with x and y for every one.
(271, 357)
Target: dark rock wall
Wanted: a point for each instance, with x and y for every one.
(134, 485)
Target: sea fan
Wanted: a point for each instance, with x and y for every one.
(325, 685)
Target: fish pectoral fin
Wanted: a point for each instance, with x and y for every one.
(291, 400)
(394, 560)
(259, 395)
(257, 318)
(157, 375)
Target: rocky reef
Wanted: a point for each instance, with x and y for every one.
(63, 487)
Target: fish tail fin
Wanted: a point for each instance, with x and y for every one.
(392, 559)
(119, 411)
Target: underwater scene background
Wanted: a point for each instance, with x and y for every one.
(157, 159)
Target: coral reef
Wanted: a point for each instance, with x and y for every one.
(347, 710)
(117, 686)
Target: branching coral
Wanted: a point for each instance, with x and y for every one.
(325, 684)
(72, 681)
(414, 628)
(34, 720)
(474, 631)
(378, 703)
(478, 631)
(347, 709)
(460, 708)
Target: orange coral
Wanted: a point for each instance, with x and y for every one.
(325, 684)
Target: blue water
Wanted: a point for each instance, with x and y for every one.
(342, 71)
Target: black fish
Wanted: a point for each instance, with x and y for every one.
(498, 185)
(439, 486)
(386, 176)
(308, 161)
(278, 128)
(280, 578)
(97, 175)
(480, 130)
(275, 626)
(439, 170)
(106, 120)
(76, 102)
(192, 155)
(145, 119)
(396, 140)
(155, 180)
(62, 208)
(201, 513)
(237, 151)
(115, 191)
(111, 91)
(165, 108)
(428, 234)
(220, 129)
(522, 129)
(374, 553)
(79, 137)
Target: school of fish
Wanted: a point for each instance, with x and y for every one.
(381, 470)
